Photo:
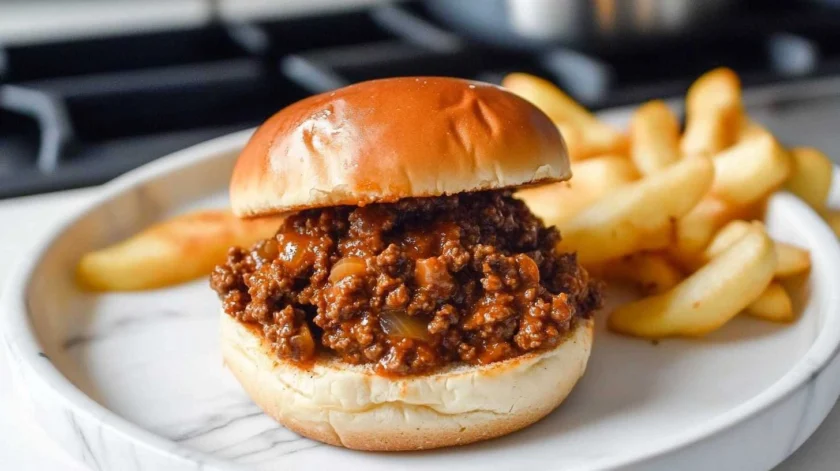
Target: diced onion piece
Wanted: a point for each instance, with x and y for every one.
(295, 249)
(303, 343)
(347, 266)
(265, 251)
(400, 324)
(432, 273)
(528, 269)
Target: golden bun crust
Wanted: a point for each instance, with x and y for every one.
(383, 140)
(350, 406)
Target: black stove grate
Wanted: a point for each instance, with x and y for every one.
(78, 113)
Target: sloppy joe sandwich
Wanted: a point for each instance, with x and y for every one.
(407, 301)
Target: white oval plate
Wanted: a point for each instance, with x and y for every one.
(135, 381)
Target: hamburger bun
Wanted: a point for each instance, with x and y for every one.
(388, 139)
(351, 406)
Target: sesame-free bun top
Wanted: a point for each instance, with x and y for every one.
(388, 139)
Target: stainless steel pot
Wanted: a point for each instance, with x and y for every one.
(532, 23)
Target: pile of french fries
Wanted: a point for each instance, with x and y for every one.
(676, 212)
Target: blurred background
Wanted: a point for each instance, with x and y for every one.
(90, 89)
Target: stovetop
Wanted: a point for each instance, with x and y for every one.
(78, 113)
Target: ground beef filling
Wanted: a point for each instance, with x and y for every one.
(409, 286)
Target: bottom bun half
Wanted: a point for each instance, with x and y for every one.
(351, 406)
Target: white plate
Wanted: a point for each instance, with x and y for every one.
(135, 381)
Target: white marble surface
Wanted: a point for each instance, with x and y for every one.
(24, 446)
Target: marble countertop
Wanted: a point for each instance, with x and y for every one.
(23, 445)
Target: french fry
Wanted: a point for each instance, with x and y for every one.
(790, 260)
(171, 252)
(810, 176)
(556, 203)
(638, 216)
(750, 170)
(694, 230)
(716, 89)
(706, 300)
(727, 236)
(709, 134)
(774, 304)
(650, 273)
(590, 136)
(654, 137)
(575, 143)
(749, 129)
(714, 113)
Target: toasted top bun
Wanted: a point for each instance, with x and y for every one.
(387, 139)
(351, 406)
